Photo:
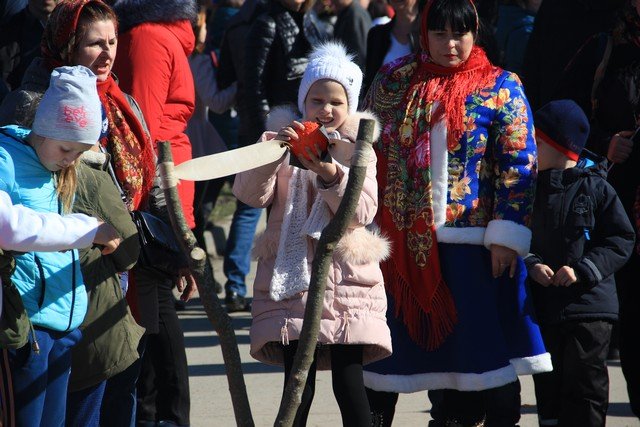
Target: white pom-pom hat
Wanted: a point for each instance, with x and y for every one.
(330, 60)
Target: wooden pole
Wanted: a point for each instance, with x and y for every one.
(330, 237)
(217, 315)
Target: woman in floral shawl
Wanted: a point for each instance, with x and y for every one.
(456, 172)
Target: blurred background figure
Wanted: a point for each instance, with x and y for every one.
(603, 78)
(274, 59)
(561, 27)
(380, 11)
(237, 253)
(155, 41)
(513, 28)
(396, 38)
(20, 38)
(212, 111)
(352, 25)
(319, 22)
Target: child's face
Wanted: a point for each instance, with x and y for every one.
(56, 155)
(549, 157)
(327, 103)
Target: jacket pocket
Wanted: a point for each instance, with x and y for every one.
(580, 219)
(368, 274)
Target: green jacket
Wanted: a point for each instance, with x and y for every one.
(110, 335)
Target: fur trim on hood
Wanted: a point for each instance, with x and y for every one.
(134, 12)
(281, 116)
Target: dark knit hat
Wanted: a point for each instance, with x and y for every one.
(563, 125)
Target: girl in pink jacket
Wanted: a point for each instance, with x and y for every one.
(353, 329)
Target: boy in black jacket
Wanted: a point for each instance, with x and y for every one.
(581, 236)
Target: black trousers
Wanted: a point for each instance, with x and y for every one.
(347, 381)
(206, 195)
(496, 407)
(576, 392)
(163, 386)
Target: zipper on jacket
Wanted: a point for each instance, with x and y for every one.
(34, 345)
(43, 283)
(73, 286)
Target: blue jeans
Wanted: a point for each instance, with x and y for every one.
(40, 380)
(237, 259)
(119, 401)
(83, 406)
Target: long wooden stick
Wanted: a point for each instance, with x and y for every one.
(217, 315)
(330, 237)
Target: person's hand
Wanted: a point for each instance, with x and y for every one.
(288, 133)
(620, 147)
(542, 274)
(186, 284)
(108, 237)
(328, 172)
(503, 258)
(565, 276)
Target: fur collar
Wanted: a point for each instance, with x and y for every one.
(134, 12)
(283, 115)
(95, 159)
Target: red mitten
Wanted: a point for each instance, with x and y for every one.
(312, 134)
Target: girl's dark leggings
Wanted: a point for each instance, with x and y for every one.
(348, 385)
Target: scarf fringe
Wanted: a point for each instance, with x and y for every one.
(427, 329)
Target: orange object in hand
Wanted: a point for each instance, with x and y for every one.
(313, 134)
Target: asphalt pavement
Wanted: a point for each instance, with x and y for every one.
(211, 402)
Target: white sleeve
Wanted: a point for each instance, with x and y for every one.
(24, 230)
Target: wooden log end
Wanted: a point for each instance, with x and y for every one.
(198, 254)
(366, 129)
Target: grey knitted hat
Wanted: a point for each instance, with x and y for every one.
(70, 109)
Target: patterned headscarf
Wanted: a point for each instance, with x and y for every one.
(127, 141)
(59, 37)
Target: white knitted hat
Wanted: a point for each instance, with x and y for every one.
(70, 109)
(330, 60)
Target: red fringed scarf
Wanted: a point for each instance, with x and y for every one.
(130, 146)
(413, 275)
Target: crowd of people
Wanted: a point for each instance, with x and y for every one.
(494, 236)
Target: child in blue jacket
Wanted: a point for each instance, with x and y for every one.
(37, 171)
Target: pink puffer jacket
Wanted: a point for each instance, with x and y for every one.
(355, 303)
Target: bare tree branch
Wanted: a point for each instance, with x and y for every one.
(217, 315)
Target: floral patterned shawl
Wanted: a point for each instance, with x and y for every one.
(410, 99)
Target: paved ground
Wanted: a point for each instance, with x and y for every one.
(211, 404)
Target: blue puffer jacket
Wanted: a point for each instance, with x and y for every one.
(50, 283)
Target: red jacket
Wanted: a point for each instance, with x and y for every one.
(152, 65)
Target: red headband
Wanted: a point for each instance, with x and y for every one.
(561, 148)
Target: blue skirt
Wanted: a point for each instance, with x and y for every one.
(495, 340)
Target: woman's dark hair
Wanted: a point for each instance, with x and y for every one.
(460, 14)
